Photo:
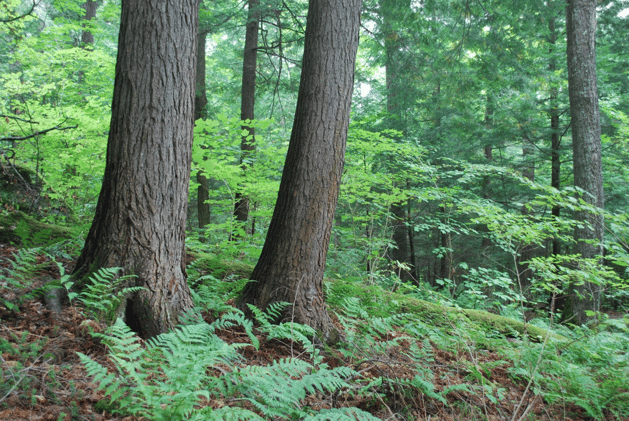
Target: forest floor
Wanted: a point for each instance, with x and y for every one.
(46, 381)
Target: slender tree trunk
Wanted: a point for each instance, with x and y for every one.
(140, 217)
(488, 152)
(292, 262)
(391, 10)
(556, 301)
(87, 38)
(247, 103)
(586, 144)
(527, 251)
(200, 102)
(555, 139)
(401, 239)
(411, 242)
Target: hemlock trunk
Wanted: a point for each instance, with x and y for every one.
(292, 262)
(141, 212)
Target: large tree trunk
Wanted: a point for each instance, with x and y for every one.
(200, 102)
(247, 103)
(140, 217)
(292, 262)
(586, 143)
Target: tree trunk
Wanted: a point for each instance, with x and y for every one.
(140, 217)
(87, 38)
(586, 144)
(200, 102)
(292, 262)
(390, 11)
(400, 237)
(247, 103)
(527, 251)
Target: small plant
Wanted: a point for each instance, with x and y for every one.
(20, 368)
(103, 292)
(169, 378)
(19, 276)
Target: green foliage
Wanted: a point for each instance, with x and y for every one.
(102, 293)
(216, 152)
(20, 274)
(590, 371)
(168, 378)
(19, 372)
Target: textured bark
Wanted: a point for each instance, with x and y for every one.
(200, 102)
(586, 143)
(247, 103)
(140, 217)
(292, 262)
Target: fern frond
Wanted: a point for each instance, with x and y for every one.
(341, 414)
(225, 413)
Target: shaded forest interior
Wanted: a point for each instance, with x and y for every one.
(376, 209)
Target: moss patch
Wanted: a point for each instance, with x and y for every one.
(21, 229)
(380, 303)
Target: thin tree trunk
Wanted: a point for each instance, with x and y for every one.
(527, 251)
(247, 104)
(200, 102)
(555, 139)
(586, 144)
(87, 38)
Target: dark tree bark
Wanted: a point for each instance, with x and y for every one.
(586, 144)
(401, 239)
(140, 217)
(87, 38)
(247, 103)
(293, 258)
(200, 102)
(555, 139)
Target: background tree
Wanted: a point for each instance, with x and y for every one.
(247, 104)
(292, 262)
(140, 217)
(586, 145)
(200, 104)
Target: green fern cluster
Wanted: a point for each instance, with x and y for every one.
(591, 371)
(170, 377)
(103, 292)
(20, 274)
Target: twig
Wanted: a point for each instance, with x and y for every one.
(40, 132)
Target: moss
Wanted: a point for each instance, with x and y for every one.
(19, 228)
(209, 264)
(380, 303)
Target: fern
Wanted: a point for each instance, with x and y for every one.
(103, 293)
(341, 414)
(279, 389)
(207, 297)
(225, 413)
(19, 275)
(165, 380)
(271, 315)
